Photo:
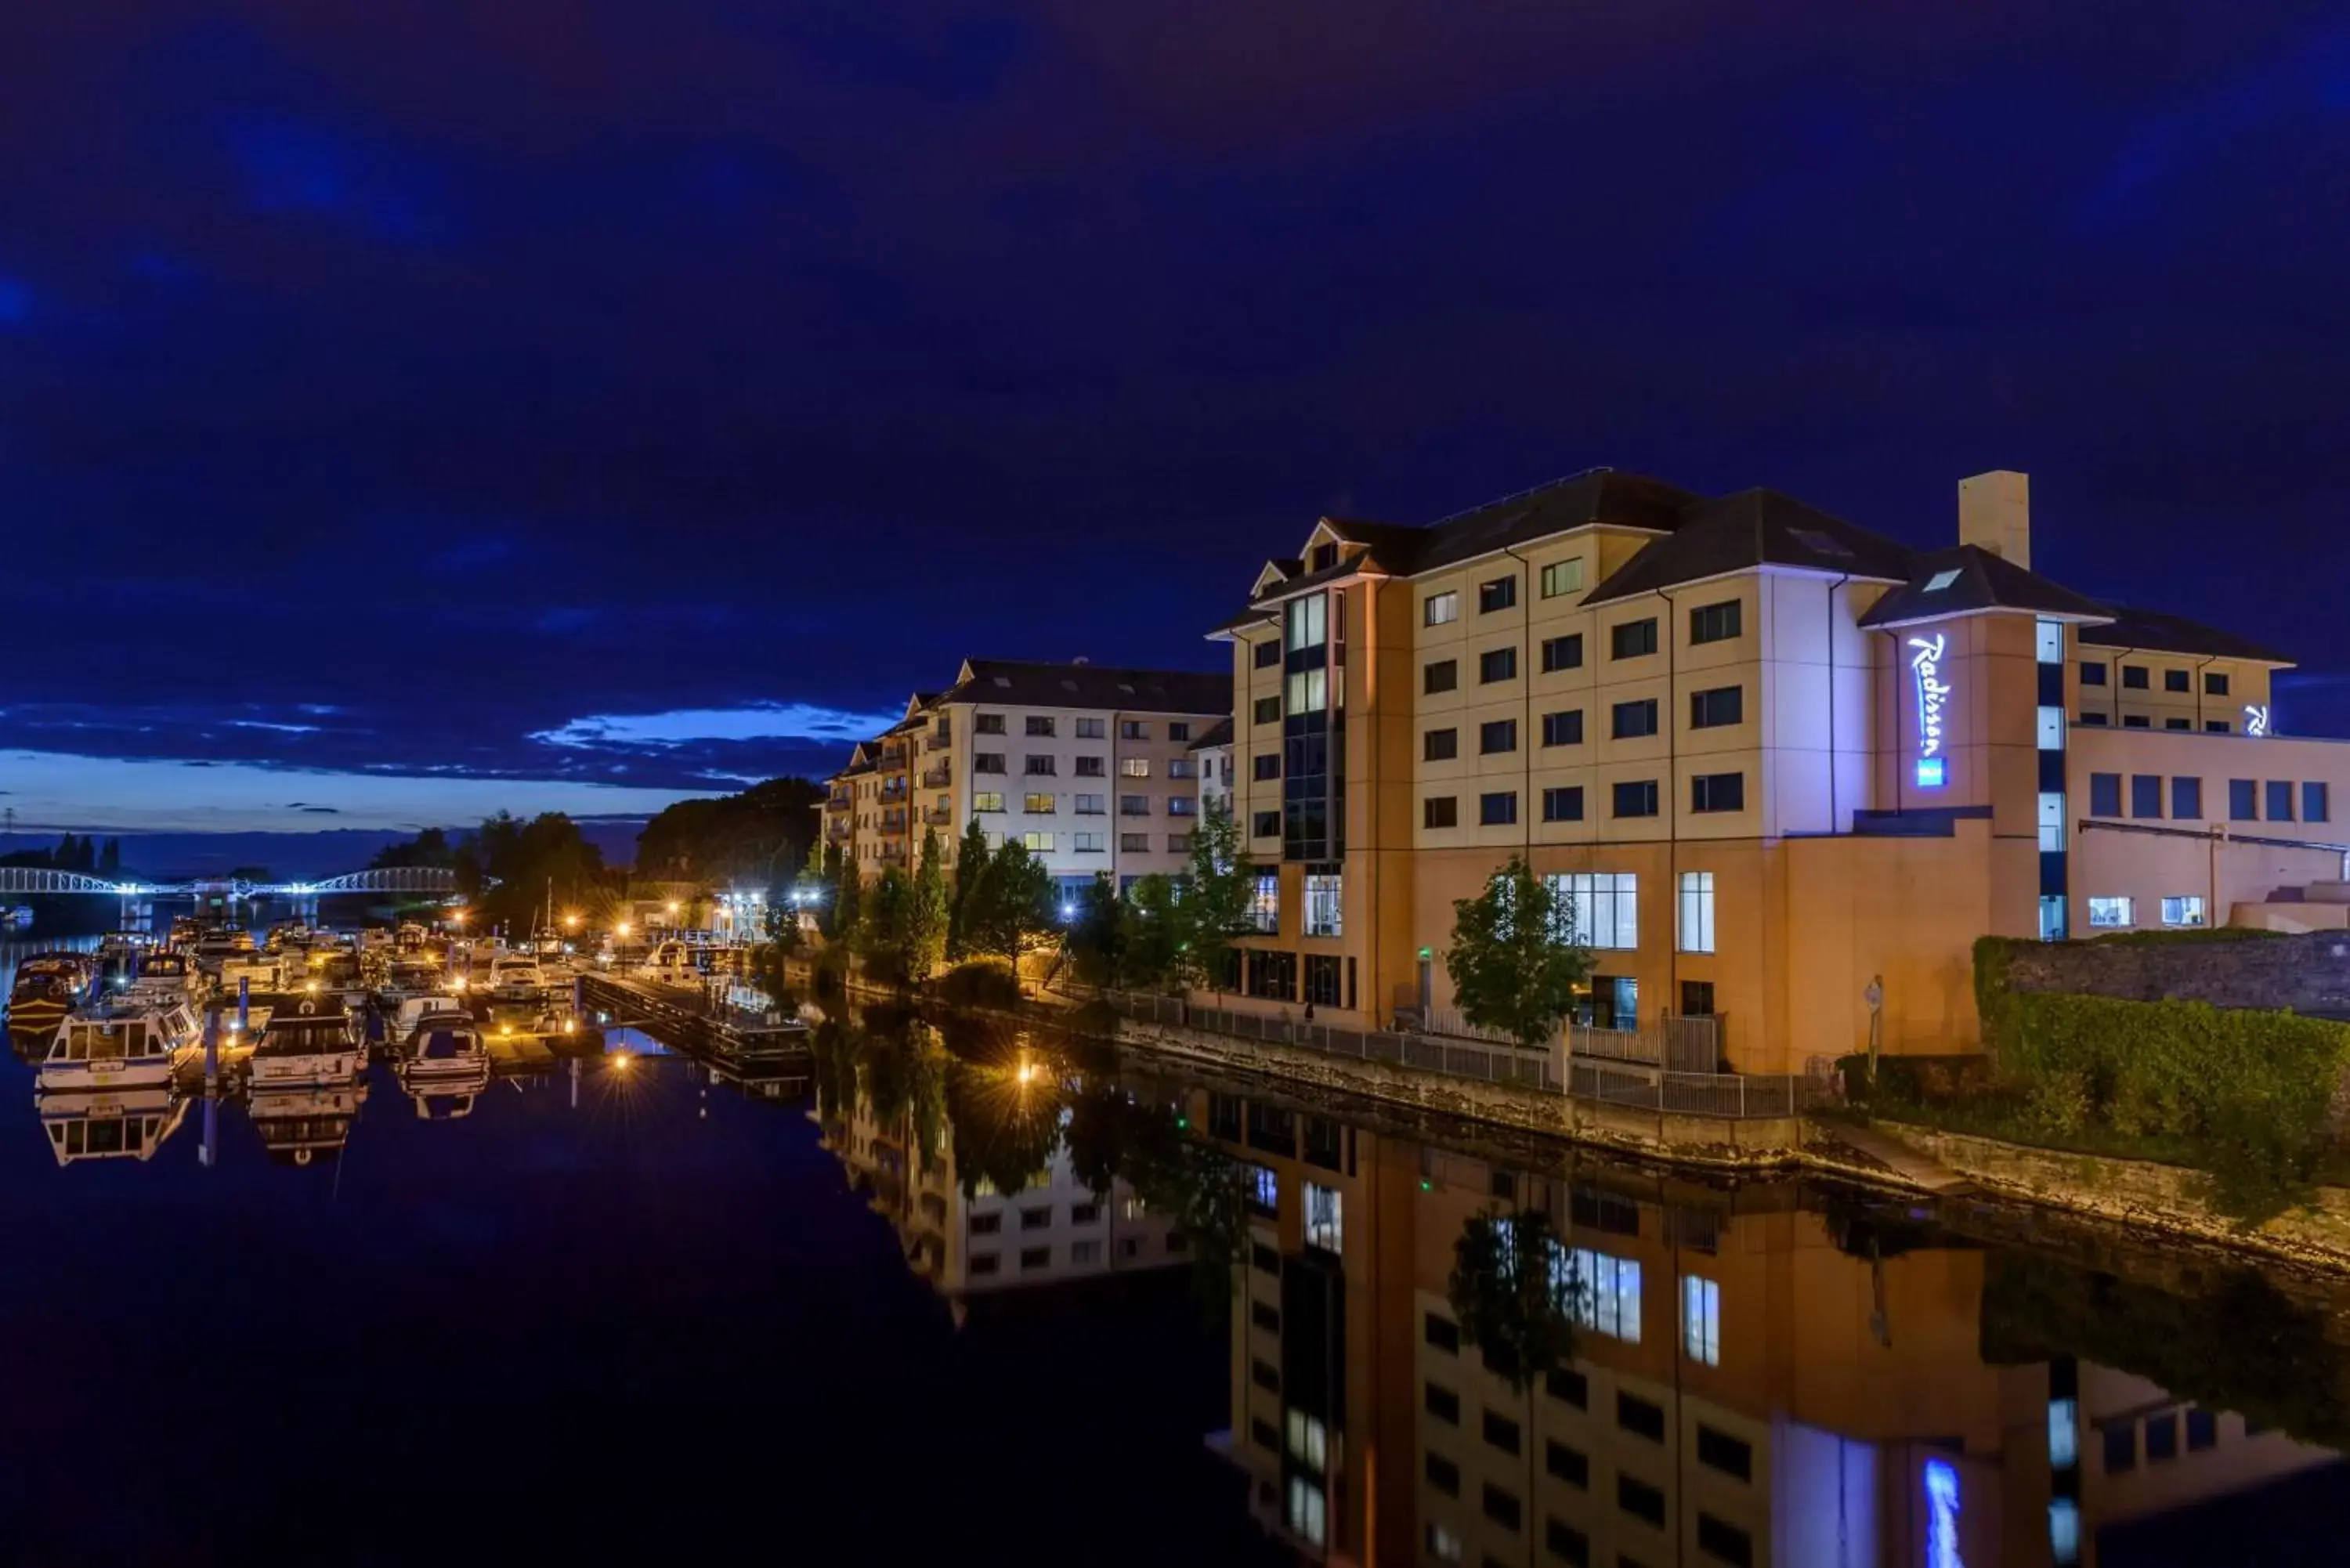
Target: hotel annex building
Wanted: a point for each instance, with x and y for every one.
(1771, 756)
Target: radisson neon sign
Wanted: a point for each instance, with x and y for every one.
(2256, 719)
(1933, 694)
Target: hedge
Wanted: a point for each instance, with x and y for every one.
(980, 982)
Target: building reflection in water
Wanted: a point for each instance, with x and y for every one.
(1762, 1374)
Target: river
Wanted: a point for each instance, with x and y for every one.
(985, 1296)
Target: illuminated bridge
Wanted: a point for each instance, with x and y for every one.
(418, 881)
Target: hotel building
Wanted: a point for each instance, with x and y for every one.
(1771, 755)
(1089, 767)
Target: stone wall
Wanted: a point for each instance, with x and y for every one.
(2307, 973)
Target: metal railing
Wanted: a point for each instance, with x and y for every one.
(1682, 1044)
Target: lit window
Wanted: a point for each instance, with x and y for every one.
(1702, 1320)
(1309, 1439)
(1037, 804)
(1597, 910)
(1309, 690)
(1940, 580)
(1265, 908)
(2109, 911)
(1304, 623)
(1599, 1292)
(987, 800)
(1037, 843)
(2063, 1434)
(1307, 1518)
(1439, 609)
(1562, 577)
(1135, 767)
(1322, 905)
(1443, 1545)
(1697, 911)
(2187, 910)
(1264, 1187)
(1323, 1223)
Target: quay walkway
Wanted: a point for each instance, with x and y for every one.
(694, 1017)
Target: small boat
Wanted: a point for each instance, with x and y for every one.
(47, 987)
(444, 1046)
(120, 1048)
(299, 1049)
(410, 938)
(516, 977)
(129, 1126)
(672, 964)
(163, 978)
(302, 1126)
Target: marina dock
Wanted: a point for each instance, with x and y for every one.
(693, 1018)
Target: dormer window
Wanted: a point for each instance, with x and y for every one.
(1940, 580)
(1324, 556)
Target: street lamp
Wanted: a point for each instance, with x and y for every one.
(621, 929)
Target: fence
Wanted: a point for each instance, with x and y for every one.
(1683, 1044)
(1615, 1082)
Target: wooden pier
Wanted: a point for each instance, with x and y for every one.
(685, 1016)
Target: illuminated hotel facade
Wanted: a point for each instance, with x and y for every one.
(1771, 756)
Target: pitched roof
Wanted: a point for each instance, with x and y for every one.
(2155, 633)
(1040, 685)
(1752, 528)
(1966, 577)
(1220, 733)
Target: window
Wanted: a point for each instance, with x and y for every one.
(1443, 1545)
(1633, 638)
(1718, 792)
(1265, 906)
(1697, 911)
(2174, 680)
(1631, 720)
(2177, 725)
(1134, 806)
(1037, 843)
(1501, 1507)
(1637, 797)
(2091, 674)
(1497, 664)
(2134, 678)
(1437, 1399)
(1182, 805)
(1720, 705)
(1322, 899)
(1497, 735)
(1567, 1464)
(1265, 824)
(1440, 811)
(1039, 804)
(1132, 842)
(1267, 654)
(1323, 1221)
(1724, 1543)
(1563, 803)
(1498, 809)
(1562, 577)
(987, 800)
(2121, 1447)
(2243, 800)
(1721, 1452)
(1640, 1500)
(2104, 794)
(1267, 710)
(1036, 1219)
(2215, 683)
(1035, 1257)
(1265, 765)
(1440, 745)
(987, 762)
(1640, 1418)
(1565, 1543)
(2315, 804)
(1441, 1333)
(1037, 725)
(1569, 1387)
(1565, 729)
(2279, 801)
(1941, 579)
(2161, 1437)
(1087, 804)
(1714, 623)
(2145, 794)
(2098, 720)
(1091, 729)
(1091, 767)
(987, 724)
(1179, 732)
(1442, 1474)
(1499, 594)
(1439, 609)
(1039, 766)
(1263, 1188)
(1133, 729)
(1134, 768)
(2109, 911)
(1444, 675)
(1561, 653)
(1087, 844)
(2137, 721)
(2185, 910)
(2185, 799)
(1322, 979)
(1601, 908)
(985, 1263)
(2202, 1430)
(1702, 1320)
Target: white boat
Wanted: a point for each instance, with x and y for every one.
(411, 1010)
(443, 1045)
(299, 1125)
(162, 979)
(672, 964)
(127, 1125)
(516, 977)
(120, 1048)
(305, 1050)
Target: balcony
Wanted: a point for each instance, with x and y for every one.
(893, 822)
(893, 792)
(938, 816)
(839, 833)
(893, 854)
(839, 802)
(938, 777)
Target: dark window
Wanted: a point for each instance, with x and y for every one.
(1498, 809)
(1697, 999)
(2202, 1430)
(2215, 684)
(2174, 680)
(2216, 726)
(1268, 710)
(987, 724)
(1265, 1259)
(1501, 1507)
(1724, 1543)
(1441, 675)
(1633, 638)
(1443, 1475)
(1721, 1452)
(1718, 792)
(1268, 653)
(1442, 1333)
(1266, 1433)
(1265, 1317)
(1179, 732)
(1567, 1544)
(987, 762)
(2243, 800)
(1498, 595)
(2137, 721)
(1497, 735)
(1640, 1500)
(1441, 1402)
(1565, 729)
(1265, 824)
(1440, 811)
(2315, 802)
(1569, 1387)
(1497, 664)
(1440, 745)
(2161, 1437)
(2177, 725)
(2134, 676)
(1563, 803)
(1039, 725)
(1266, 766)
(2091, 674)
(1561, 652)
(2097, 719)
(2121, 1447)
(2104, 794)
(1639, 1417)
(1720, 705)
(1324, 556)
(1264, 1377)
(1501, 1432)
(2280, 794)
(2145, 794)
(1569, 1465)
(1638, 798)
(1714, 623)
(1631, 720)
(1322, 979)
(2185, 799)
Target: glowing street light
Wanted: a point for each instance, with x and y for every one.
(571, 921)
(622, 928)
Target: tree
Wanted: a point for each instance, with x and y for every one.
(885, 927)
(1218, 900)
(1096, 938)
(429, 847)
(847, 890)
(527, 861)
(1512, 973)
(1515, 1292)
(819, 885)
(971, 869)
(1157, 932)
(926, 921)
(1011, 905)
(758, 836)
(110, 860)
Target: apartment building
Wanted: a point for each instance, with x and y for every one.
(1088, 766)
(1771, 755)
(1212, 762)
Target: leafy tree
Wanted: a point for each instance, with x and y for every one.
(1012, 906)
(110, 860)
(885, 926)
(1217, 900)
(1006, 1128)
(526, 860)
(926, 917)
(1097, 940)
(429, 847)
(971, 858)
(1157, 932)
(758, 836)
(1515, 1292)
(1511, 971)
(848, 900)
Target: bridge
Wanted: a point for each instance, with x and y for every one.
(421, 881)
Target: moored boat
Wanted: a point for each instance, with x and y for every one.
(120, 1048)
(127, 1125)
(301, 1049)
(48, 986)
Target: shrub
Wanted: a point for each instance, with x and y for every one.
(2189, 936)
(981, 982)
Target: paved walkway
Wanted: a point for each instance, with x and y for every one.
(1896, 1156)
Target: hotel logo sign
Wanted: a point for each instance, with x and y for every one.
(2256, 719)
(1933, 698)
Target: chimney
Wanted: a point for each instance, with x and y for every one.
(1995, 512)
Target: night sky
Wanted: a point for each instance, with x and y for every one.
(412, 409)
